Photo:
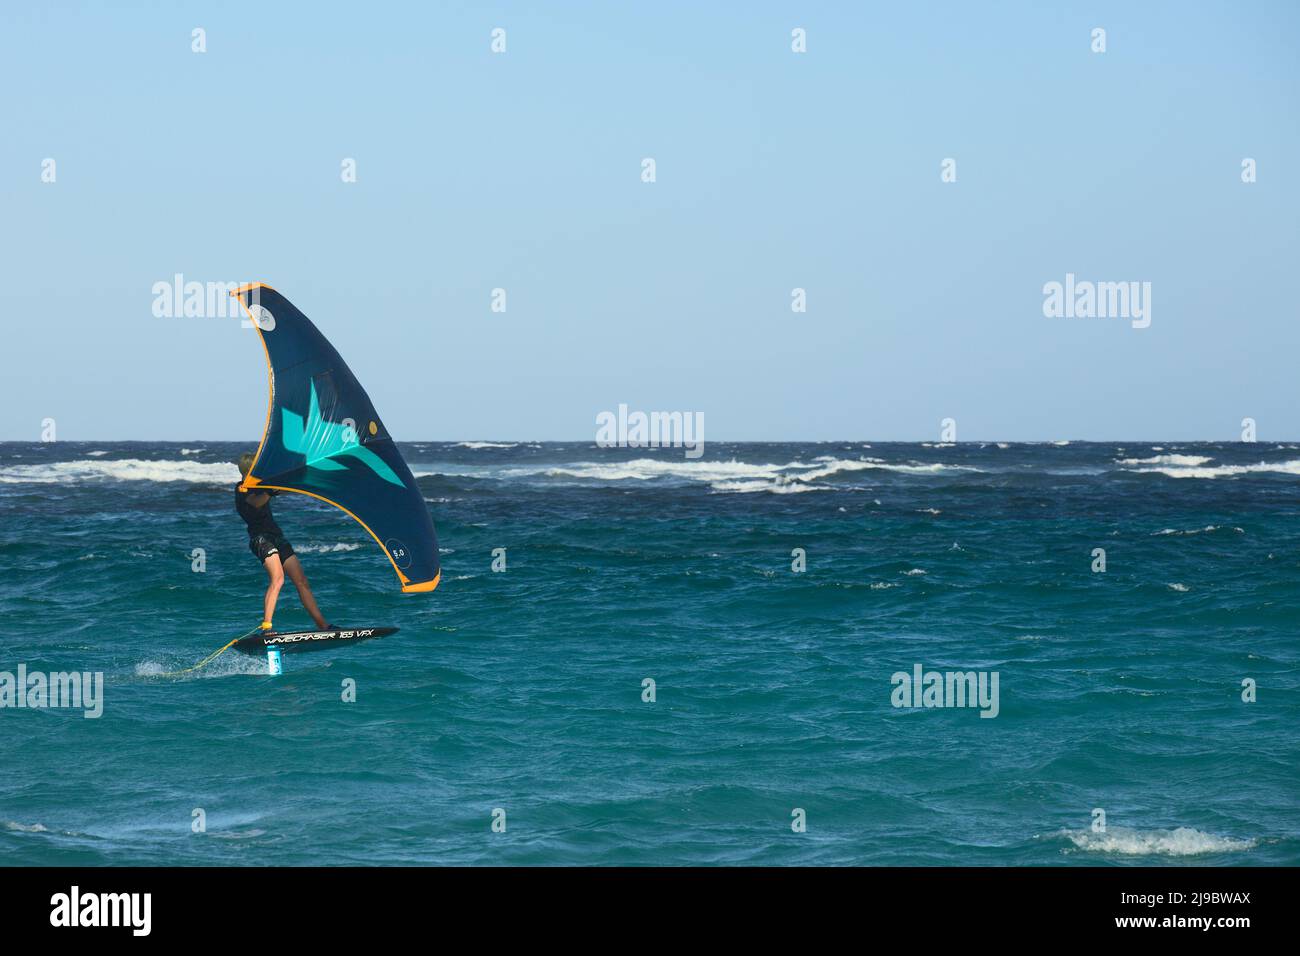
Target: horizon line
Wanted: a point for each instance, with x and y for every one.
(714, 441)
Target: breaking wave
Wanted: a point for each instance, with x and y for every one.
(1181, 461)
(1183, 841)
(1206, 530)
(776, 488)
(736, 477)
(26, 827)
(1291, 467)
(128, 469)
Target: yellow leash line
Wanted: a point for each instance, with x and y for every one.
(214, 655)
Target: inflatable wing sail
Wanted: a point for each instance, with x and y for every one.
(324, 438)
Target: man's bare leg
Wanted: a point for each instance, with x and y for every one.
(276, 572)
(293, 568)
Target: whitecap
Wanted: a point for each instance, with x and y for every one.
(1291, 467)
(129, 469)
(747, 487)
(1207, 528)
(1181, 841)
(1178, 460)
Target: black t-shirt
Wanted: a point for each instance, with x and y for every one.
(259, 520)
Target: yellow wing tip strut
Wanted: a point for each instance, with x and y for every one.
(252, 285)
(423, 586)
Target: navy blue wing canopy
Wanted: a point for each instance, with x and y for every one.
(324, 438)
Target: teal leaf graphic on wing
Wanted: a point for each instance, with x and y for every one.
(321, 442)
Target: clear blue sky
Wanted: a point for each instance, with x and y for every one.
(775, 171)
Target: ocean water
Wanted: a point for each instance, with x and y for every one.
(521, 692)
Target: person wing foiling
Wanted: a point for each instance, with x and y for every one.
(272, 548)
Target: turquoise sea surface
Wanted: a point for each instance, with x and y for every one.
(521, 696)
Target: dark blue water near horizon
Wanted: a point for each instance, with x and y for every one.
(522, 692)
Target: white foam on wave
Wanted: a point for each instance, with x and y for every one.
(737, 476)
(1206, 529)
(646, 469)
(1291, 467)
(128, 469)
(326, 548)
(777, 488)
(26, 827)
(731, 476)
(832, 466)
(916, 468)
(1182, 461)
(1182, 841)
(486, 444)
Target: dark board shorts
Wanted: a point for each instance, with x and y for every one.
(265, 545)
